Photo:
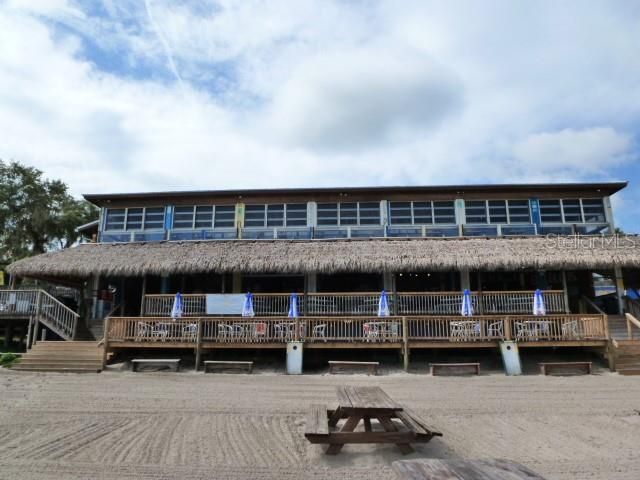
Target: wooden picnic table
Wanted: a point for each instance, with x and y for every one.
(460, 469)
(356, 404)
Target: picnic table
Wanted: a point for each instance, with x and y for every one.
(356, 404)
(460, 469)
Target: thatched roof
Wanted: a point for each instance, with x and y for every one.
(376, 255)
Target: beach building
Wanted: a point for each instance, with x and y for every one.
(337, 249)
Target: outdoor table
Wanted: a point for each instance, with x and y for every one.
(365, 404)
(460, 469)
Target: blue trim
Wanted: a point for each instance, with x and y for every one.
(168, 218)
(535, 211)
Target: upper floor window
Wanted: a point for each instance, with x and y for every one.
(574, 210)
(421, 213)
(349, 213)
(497, 211)
(147, 218)
(276, 215)
(204, 216)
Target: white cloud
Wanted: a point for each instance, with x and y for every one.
(588, 151)
(318, 92)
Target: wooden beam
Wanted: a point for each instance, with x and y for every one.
(405, 343)
(198, 344)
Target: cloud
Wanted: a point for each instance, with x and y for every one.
(363, 98)
(320, 93)
(588, 151)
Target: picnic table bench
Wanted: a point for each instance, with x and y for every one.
(218, 365)
(460, 469)
(173, 364)
(546, 367)
(437, 367)
(371, 367)
(366, 404)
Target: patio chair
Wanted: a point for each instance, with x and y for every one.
(495, 329)
(260, 329)
(160, 331)
(143, 330)
(319, 331)
(523, 331)
(570, 329)
(283, 330)
(371, 332)
(190, 332)
(225, 330)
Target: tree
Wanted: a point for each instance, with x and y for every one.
(36, 214)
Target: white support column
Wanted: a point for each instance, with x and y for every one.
(311, 282)
(565, 288)
(465, 280)
(312, 208)
(608, 213)
(619, 288)
(389, 281)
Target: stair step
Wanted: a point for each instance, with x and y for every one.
(61, 365)
(629, 371)
(28, 368)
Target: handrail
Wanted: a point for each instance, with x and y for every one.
(588, 302)
(631, 321)
(42, 305)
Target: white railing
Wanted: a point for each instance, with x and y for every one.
(46, 308)
(340, 304)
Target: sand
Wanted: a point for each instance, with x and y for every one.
(119, 425)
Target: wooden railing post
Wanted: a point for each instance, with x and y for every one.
(405, 343)
(198, 343)
(105, 342)
(507, 328)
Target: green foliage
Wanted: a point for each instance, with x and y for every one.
(7, 359)
(36, 214)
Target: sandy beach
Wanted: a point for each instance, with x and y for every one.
(194, 426)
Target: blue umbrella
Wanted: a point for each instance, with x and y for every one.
(293, 306)
(383, 305)
(538, 303)
(247, 306)
(176, 311)
(467, 304)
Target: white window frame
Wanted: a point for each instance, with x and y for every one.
(126, 219)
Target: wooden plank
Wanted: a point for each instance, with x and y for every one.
(390, 429)
(211, 365)
(366, 400)
(546, 367)
(436, 367)
(349, 426)
(415, 419)
(441, 469)
(317, 423)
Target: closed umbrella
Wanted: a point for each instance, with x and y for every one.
(293, 306)
(383, 305)
(176, 311)
(467, 304)
(247, 306)
(538, 303)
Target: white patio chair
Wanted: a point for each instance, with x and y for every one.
(190, 332)
(495, 329)
(523, 332)
(160, 331)
(570, 329)
(225, 330)
(143, 330)
(319, 331)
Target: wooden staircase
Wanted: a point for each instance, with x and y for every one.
(627, 357)
(624, 331)
(61, 356)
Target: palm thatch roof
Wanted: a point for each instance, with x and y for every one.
(375, 255)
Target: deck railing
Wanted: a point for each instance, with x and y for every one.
(54, 314)
(366, 303)
(239, 330)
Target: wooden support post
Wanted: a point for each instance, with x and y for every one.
(105, 345)
(28, 342)
(619, 279)
(144, 293)
(565, 289)
(35, 332)
(507, 328)
(236, 282)
(8, 334)
(405, 343)
(198, 344)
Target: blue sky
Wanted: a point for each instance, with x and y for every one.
(134, 95)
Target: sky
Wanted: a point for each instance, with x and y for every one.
(147, 95)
